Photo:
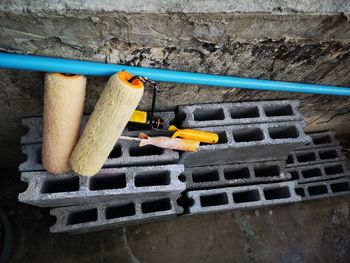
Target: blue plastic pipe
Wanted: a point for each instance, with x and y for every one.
(70, 66)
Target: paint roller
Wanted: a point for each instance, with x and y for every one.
(111, 114)
(64, 97)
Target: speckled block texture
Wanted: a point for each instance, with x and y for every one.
(214, 176)
(250, 142)
(231, 198)
(315, 156)
(237, 113)
(117, 213)
(46, 190)
(320, 140)
(319, 172)
(324, 189)
(34, 126)
(125, 153)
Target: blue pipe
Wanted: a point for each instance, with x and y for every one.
(69, 66)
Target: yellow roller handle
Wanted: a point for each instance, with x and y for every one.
(196, 135)
(139, 117)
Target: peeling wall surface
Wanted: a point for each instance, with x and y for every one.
(302, 41)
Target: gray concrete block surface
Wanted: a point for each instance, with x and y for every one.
(117, 213)
(237, 113)
(320, 140)
(319, 172)
(252, 196)
(324, 189)
(250, 142)
(214, 176)
(125, 153)
(47, 190)
(315, 156)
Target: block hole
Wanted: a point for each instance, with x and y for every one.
(152, 178)
(39, 157)
(321, 139)
(340, 187)
(185, 201)
(330, 154)
(89, 215)
(156, 206)
(300, 191)
(290, 159)
(306, 157)
(59, 185)
(214, 199)
(313, 172)
(116, 152)
(317, 190)
(244, 112)
(248, 135)
(277, 193)
(120, 211)
(107, 181)
(267, 171)
(236, 173)
(145, 150)
(180, 117)
(278, 110)
(205, 176)
(334, 169)
(288, 132)
(222, 137)
(294, 175)
(182, 178)
(208, 114)
(246, 196)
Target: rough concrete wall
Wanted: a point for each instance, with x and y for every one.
(266, 41)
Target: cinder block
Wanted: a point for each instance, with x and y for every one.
(320, 140)
(235, 174)
(315, 156)
(250, 142)
(35, 127)
(237, 113)
(47, 190)
(329, 188)
(117, 213)
(252, 196)
(125, 153)
(318, 172)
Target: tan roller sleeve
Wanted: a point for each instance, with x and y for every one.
(64, 97)
(106, 123)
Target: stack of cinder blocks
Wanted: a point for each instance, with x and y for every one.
(263, 158)
(320, 168)
(247, 167)
(136, 185)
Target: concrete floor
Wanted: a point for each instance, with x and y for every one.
(315, 231)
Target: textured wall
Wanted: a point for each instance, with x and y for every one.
(267, 41)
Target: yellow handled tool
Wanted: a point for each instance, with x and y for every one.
(196, 135)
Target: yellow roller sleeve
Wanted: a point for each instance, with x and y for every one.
(106, 123)
(64, 97)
